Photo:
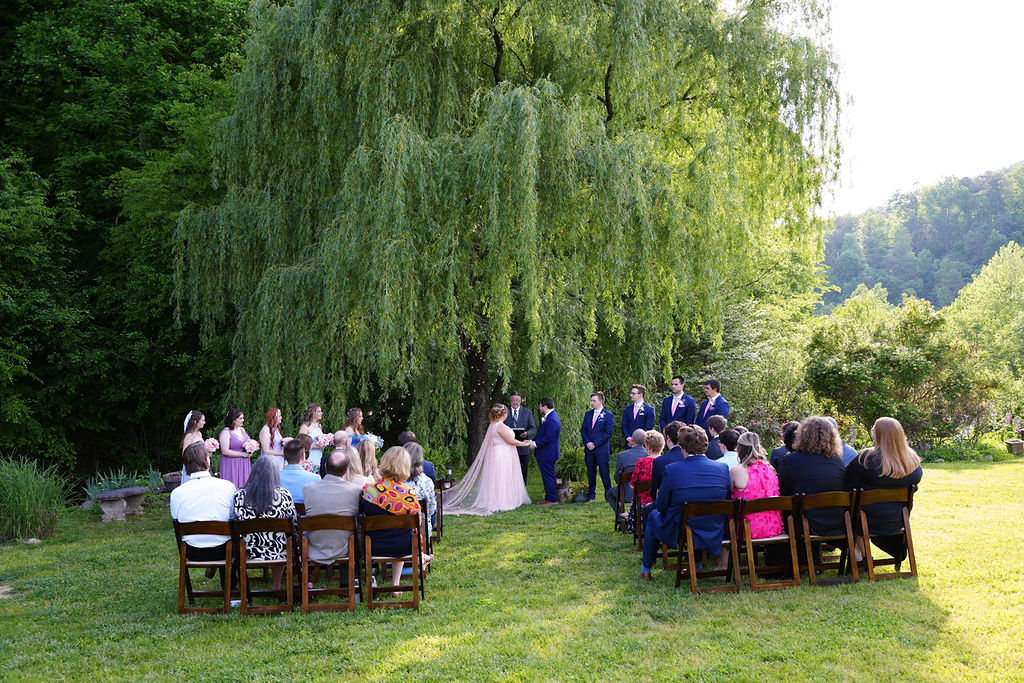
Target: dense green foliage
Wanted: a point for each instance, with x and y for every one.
(930, 242)
(439, 199)
(105, 137)
(32, 498)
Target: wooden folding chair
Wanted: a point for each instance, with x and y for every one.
(351, 562)
(783, 504)
(251, 526)
(424, 525)
(729, 509)
(439, 497)
(817, 501)
(300, 509)
(638, 529)
(904, 496)
(182, 529)
(620, 504)
(379, 523)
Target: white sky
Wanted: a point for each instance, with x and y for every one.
(937, 91)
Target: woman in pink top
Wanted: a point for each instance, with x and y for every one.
(755, 478)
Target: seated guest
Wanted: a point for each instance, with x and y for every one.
(654, 444)
(674, 453)
(695, 479)
(355, 468)
(891, 464)
(754, 478)
(293, 476)
(263, 497)
(428, 467)
(816, 466)
(368, 459)
(341, 439)
(421, 484)
(203, 498)
(788, 435)
(389, 496)
(849, 452)
(306, 441)
(728, 440)
(335, 495)
(716, 425)
(624, 462)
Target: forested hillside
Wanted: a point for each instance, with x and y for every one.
(930, 242)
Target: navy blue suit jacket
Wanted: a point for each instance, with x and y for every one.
(429, 470)
(693, 480)
(721, 408)
(714, 451)
(599, 433)
(686, 413)
(644, 420)
(674, 454)
(547, 437)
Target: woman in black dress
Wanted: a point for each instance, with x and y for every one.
(816, 466)
(891, 464)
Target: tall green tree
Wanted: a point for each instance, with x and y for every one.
(444, 197)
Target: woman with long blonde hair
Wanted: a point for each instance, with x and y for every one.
(891, 464)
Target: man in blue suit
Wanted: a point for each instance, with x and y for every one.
(679, 406)
(694, 480)
(638, 415)
(596, 431)
(548, 449)
(673, 453)
(715, 404)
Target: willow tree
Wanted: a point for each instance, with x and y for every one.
(440, 198)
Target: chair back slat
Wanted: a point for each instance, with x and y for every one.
(901, 495)
(263, 525)
(781, 503)
(300, 508)
(828, 499)
(327, 523)
(195, 528)
(706, 509)
(381, 522)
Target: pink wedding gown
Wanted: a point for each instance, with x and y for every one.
(494, 482)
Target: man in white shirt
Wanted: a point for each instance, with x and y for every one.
(203, 498)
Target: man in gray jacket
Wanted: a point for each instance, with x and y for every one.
(332, 495)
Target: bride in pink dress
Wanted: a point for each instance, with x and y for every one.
(494, 482)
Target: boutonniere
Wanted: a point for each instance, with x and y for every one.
(640, 413)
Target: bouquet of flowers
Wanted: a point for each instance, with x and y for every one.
(375, 440)
(323, 441)
(212, 445)
(251, 446)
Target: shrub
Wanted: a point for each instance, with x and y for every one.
(31, 498)
(572, 465)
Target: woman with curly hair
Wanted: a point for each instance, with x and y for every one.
(815, 466)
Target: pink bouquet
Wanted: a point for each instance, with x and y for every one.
(212, 445)
(323, 441)
(251, 446)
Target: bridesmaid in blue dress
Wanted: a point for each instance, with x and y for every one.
(234, 461)
(271, 442)
(354, 425)
(311, 426)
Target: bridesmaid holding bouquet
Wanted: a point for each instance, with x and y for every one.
(234, 460)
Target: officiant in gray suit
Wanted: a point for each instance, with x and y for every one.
(520, 419)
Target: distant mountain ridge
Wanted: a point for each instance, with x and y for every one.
(930, 242)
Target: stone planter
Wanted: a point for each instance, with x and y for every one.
(1015, 446)
(562, 490)
(172, 480)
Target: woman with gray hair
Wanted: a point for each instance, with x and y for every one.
(264, 497)
(421, 483)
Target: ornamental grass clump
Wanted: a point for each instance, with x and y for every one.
(31, 499)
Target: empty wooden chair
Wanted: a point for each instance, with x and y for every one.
(182, 529)
(264, 525)
(350, 564)
(620, 499)
(729, 509)
(785, 504)
(379, 523)
(904, 496)
(845, 570)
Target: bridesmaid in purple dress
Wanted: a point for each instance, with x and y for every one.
(234, 461)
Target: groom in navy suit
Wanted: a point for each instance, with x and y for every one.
(548, 449)
(679, 407)
(714, 405)
(638, 415)
(596, 431)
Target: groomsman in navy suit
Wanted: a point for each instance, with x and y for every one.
(715, 404)
(596, 431)
(638, 415)
(679, 407)
(548, 449)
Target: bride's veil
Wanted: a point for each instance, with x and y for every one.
(465, 497)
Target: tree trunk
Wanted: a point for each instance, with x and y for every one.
(477, 397)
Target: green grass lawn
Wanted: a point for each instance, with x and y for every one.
(539, 593)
